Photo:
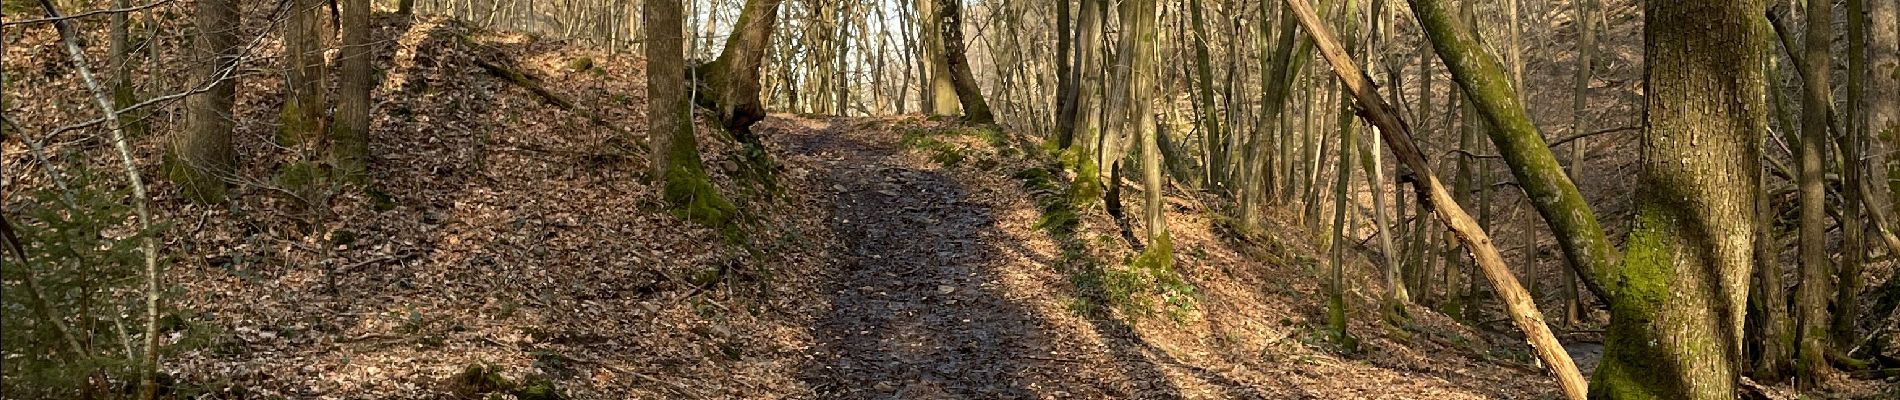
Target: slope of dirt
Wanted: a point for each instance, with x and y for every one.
(504, 234)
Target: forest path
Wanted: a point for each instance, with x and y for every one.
(929, 297)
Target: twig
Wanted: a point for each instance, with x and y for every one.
(148, 387)
(1567, 139)
(88, 14)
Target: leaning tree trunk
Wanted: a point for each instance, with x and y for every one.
(1488, 87)
(351, 133)
(950, 21)
(202, 154)
(731, 82)
(675, 152)
(1518, 304)
(1676, 315)
(148, 366)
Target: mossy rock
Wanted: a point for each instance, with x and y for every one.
(478, 379)
(582, 63)
(538, 388)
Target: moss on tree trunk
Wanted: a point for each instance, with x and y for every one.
(1679, 299)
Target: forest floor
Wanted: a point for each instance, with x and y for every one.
(949, 285)
(513, 245)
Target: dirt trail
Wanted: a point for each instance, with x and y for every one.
(917, 310)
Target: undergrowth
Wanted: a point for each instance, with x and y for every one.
(1130, 287)
(73, 301)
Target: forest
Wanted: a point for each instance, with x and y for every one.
(950, 199)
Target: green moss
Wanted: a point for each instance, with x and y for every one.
(1630, 369)
(582, 63)
(294, 124)
(301, 178)
(1087, 188)
(538, 388)
(478, 379)
(197, 184)
(692, 196)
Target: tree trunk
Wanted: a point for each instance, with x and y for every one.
(1769, 300)
(1065, 76)
(675, 152)
(121, 67)
(1585, 22)
(1488, 87)
(351, 133)
(202, 154)
(1348, 148)
(1517, 303)
(1204, 70)
(302, 119)
(148, 367)
(1811, 332)
(950, 15)
(1882, 105)
(1676, 315)
(1140, 25)
(942, 100)
(1853, 233)
(731, 82)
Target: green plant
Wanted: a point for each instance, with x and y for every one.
(73, 301)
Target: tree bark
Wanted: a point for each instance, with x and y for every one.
(1677, 312)
(731, 82)
(203, 157)
(1853, 231)
(302, 119)
(1882, 105)
(351, 133)
(1517, 303)
(675, 151)
(148, 244)
(1811, 332)
(942, 98)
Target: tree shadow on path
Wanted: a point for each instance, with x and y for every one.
(917, 309)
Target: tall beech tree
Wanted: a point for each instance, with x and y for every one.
(1678, 301)
(940, 97)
